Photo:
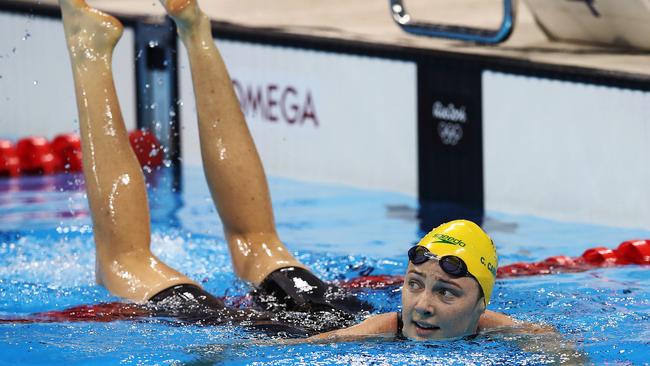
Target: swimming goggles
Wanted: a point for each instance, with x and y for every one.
(451, 264)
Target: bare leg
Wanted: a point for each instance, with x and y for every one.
(233, 168)
(114, 180)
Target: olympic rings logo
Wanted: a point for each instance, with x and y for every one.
(450, 133)
(450, 121)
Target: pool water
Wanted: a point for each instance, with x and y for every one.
(47, 263)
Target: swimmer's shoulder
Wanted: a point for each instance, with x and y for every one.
(381, 324)
(491, 320)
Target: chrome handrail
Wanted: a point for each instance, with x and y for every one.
(479, 35)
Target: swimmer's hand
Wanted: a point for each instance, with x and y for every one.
(533, 338)
(552, 345)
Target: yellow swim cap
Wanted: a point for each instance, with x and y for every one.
(470, 243)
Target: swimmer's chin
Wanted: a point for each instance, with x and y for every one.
(438, 337)
(443, 339)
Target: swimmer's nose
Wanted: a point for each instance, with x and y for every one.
(425, 305)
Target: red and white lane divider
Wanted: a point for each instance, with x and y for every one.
(38, 156)
(628, 252)
(101, 313)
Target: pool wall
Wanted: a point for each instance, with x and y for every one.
(36, 85)
(567, 151)
(320, 116)
(465, 133)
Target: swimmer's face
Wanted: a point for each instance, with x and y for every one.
(436, 305)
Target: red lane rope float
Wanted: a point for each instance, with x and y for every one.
(68, 148)
(37, 156)
(147, 148)
(9, 162)
(628, 252)
(104, 312)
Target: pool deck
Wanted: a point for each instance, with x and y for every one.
(369, 21)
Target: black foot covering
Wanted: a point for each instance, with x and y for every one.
(192, 304)
(187, 302)
(187, 293)
(296, 289)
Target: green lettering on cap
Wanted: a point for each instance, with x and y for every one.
(490, 267)
(446, 239)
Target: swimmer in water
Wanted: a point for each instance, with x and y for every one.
(451, 272)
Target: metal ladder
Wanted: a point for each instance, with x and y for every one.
(470, 34)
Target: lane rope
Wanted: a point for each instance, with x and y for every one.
(37, 156)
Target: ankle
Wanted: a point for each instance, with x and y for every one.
(197, 30)
(105, 255)
(255, 273)
(72, 5)
(95, 66)
(90, 34)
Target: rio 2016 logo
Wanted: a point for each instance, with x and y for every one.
(450, 122)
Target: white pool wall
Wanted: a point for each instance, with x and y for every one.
(36, 86)
(566, 151)
(360, 127)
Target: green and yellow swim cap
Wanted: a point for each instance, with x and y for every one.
(469, 242)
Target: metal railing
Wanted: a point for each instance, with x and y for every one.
(470, 34)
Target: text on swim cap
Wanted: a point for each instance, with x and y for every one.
(491, 267)
(446, 239)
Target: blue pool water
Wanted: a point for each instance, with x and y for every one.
(47, 263)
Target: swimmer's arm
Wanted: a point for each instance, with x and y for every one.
(386, 325)
(376, 326)
(493, 321)
(490, 320)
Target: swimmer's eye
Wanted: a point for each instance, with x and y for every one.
(447, 293)
(414, 285)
